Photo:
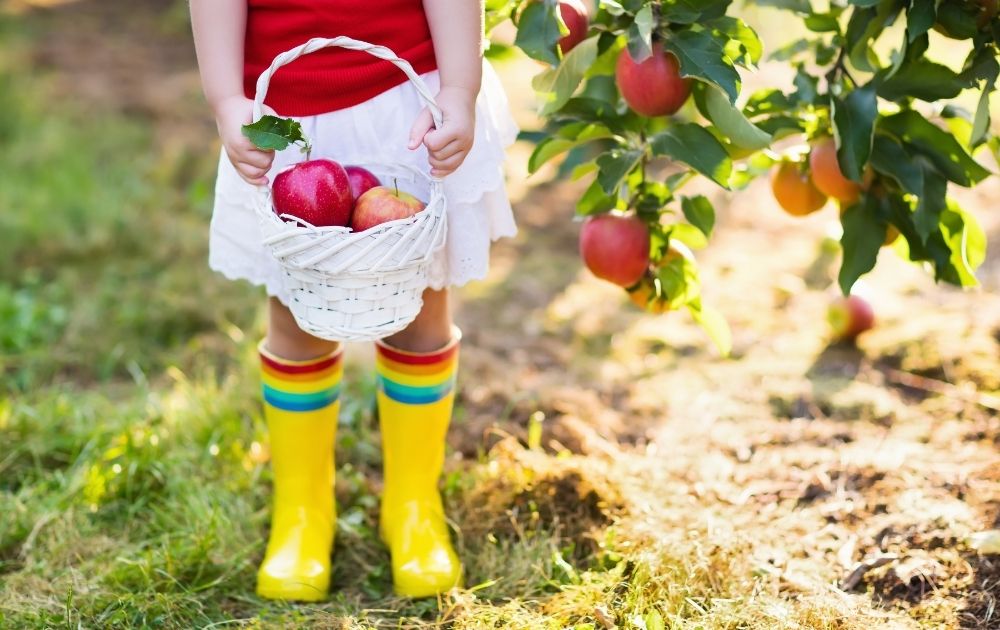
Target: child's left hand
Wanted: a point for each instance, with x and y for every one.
(448, 145)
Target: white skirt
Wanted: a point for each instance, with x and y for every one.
(376, 132)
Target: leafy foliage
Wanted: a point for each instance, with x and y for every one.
(892, 135)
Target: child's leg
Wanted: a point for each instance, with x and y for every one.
(301, 383)
(416, 378)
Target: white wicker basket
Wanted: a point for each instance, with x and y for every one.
(355, 286)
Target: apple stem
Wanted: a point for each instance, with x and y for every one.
(395, 184)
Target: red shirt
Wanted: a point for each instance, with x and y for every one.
(332, 78)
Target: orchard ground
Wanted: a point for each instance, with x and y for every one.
(605, 464)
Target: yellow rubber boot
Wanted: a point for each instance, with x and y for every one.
(301, 405)
(415, 399)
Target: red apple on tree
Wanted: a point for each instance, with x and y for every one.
(576, 17)
(361, 179)
(849, 317)
(381, 204)
(652, 87)
(615, 248)
(316, 191)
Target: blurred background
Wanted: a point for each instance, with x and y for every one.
(607, 467)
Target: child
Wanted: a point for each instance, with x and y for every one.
(357, 109)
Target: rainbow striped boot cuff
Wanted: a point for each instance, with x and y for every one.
(300, 385)
(416, 378)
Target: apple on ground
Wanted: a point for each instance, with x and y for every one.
(849, 317)
(576, 17)
(361, 179)
(316, 191)
(381, 204)
(615, 248)
(652, 87)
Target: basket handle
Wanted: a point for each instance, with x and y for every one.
(318, 43)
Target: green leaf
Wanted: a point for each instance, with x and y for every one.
(689, 235)
(981, 122)
(696, 147)
(699, 212)
(822, 23)
(923, 79)
(744, 37)
(702, 56)
(864, 233)
(568, 137)
(803, 7)
(640, 34)
(679, 281)
(692, 11)
(271, 133)
(730, 120)
(613, 166)
(539, 30)
(714, 324)
(594, 200)
(854, 126)
(947, 155)
(890, 158)
(556, 85)
(920, 18)
(967, 241)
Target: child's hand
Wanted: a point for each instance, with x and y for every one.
(449, 145)
(250, 162)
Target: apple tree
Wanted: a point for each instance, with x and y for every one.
(870, 125)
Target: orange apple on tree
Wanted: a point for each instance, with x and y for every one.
(794, 189)
(826, 173)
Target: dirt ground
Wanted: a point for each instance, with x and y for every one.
(856, 474)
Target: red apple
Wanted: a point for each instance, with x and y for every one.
(653, 87)
(381, 204)
(577, 19)
(316, 191)
(615, 248)
(849, 317)
(361, 180)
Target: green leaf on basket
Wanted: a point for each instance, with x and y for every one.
(864, 233)
(271, 133)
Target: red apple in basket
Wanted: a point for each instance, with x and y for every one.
(361, 180)
(381, 204)
(316, 191)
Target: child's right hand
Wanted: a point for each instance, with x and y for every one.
(251, 163)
